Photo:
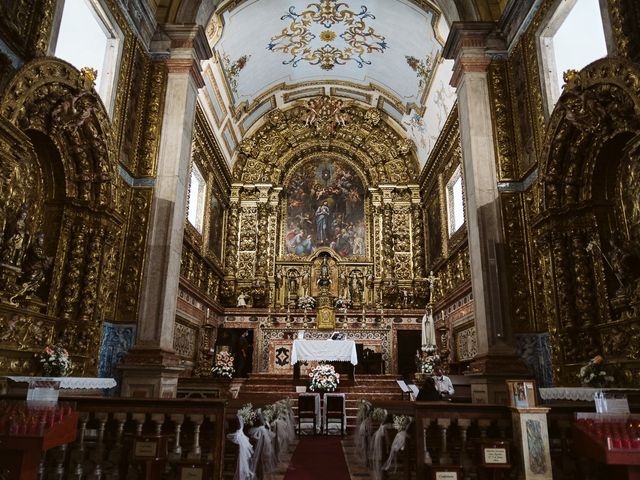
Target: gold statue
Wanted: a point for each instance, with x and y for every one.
(15, 236)
(35, 266)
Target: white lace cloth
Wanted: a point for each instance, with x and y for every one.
(70, 382)
(328, 350)
(584, 394)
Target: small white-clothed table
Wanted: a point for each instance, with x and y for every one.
(76, 383)
(46, 389)
(326, 350)
(583, 394)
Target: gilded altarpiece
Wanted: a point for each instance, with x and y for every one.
(586, 232)
(63, 218)
(305, 194)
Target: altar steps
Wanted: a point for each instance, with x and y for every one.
(264, 388)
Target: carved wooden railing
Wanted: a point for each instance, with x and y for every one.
(141, 438)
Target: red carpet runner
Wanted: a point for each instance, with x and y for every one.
(318, 458)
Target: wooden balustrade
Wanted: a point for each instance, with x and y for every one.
(141, 438)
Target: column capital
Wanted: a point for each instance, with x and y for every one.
(471, 45)
(183, 48)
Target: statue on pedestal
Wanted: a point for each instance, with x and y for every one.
(15, 239)
(35, 266)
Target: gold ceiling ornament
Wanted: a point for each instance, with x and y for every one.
(366, 138)
(352, 40)
(325, 114)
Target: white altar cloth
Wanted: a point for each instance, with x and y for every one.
(327, 350)
(584, 394)
(70, 382)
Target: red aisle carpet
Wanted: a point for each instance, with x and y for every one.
(318, 458)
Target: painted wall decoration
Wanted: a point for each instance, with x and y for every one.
(325, 208)
(328, 33)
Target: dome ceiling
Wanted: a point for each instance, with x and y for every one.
(276, 53)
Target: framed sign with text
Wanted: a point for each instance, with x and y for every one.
(495, 455)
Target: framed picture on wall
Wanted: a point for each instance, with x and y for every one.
(521, 393)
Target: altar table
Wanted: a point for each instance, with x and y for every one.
(324, 350)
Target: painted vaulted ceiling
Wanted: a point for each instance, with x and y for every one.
(378, 53)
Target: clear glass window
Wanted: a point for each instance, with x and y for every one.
(572, 38)
(455, 202)
(86, 38)
(197, 194)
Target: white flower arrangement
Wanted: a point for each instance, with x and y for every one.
(343, 303)
(365, 409)
(324, 378)
(307, 303)
(269, 412)
(401, 422)
(594, 373)
(223, 365)
(430, 360)
(248, 414)
(379, 415)
(55, 361)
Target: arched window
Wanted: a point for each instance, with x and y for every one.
(88, 38)
(571, 38)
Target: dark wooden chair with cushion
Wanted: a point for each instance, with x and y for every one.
(307, 403)
(334, 409)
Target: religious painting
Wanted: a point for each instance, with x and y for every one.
(434, 232)
(325, 208)
(215, 226)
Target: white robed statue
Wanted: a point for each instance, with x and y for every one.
(428, 329)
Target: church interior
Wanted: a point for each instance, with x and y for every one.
(209, 202)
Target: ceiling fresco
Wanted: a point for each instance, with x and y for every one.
(394, 45)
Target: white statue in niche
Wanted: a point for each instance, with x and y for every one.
(242, 300)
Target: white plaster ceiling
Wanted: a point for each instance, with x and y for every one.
(388, 50)
(393, 44)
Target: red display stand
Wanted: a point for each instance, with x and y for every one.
(611, 442)
(27, 431)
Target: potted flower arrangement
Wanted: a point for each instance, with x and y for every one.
(594, 373)
(324, 378)
(343, 303)
(55, 361)
(430, 360)
(307, 303)
(223, 365)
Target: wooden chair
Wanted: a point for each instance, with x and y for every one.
(308, 405)
(334, 409)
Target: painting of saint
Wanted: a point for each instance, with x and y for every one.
(325, 208)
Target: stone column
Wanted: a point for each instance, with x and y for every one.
(151, 368)
(468, 44)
